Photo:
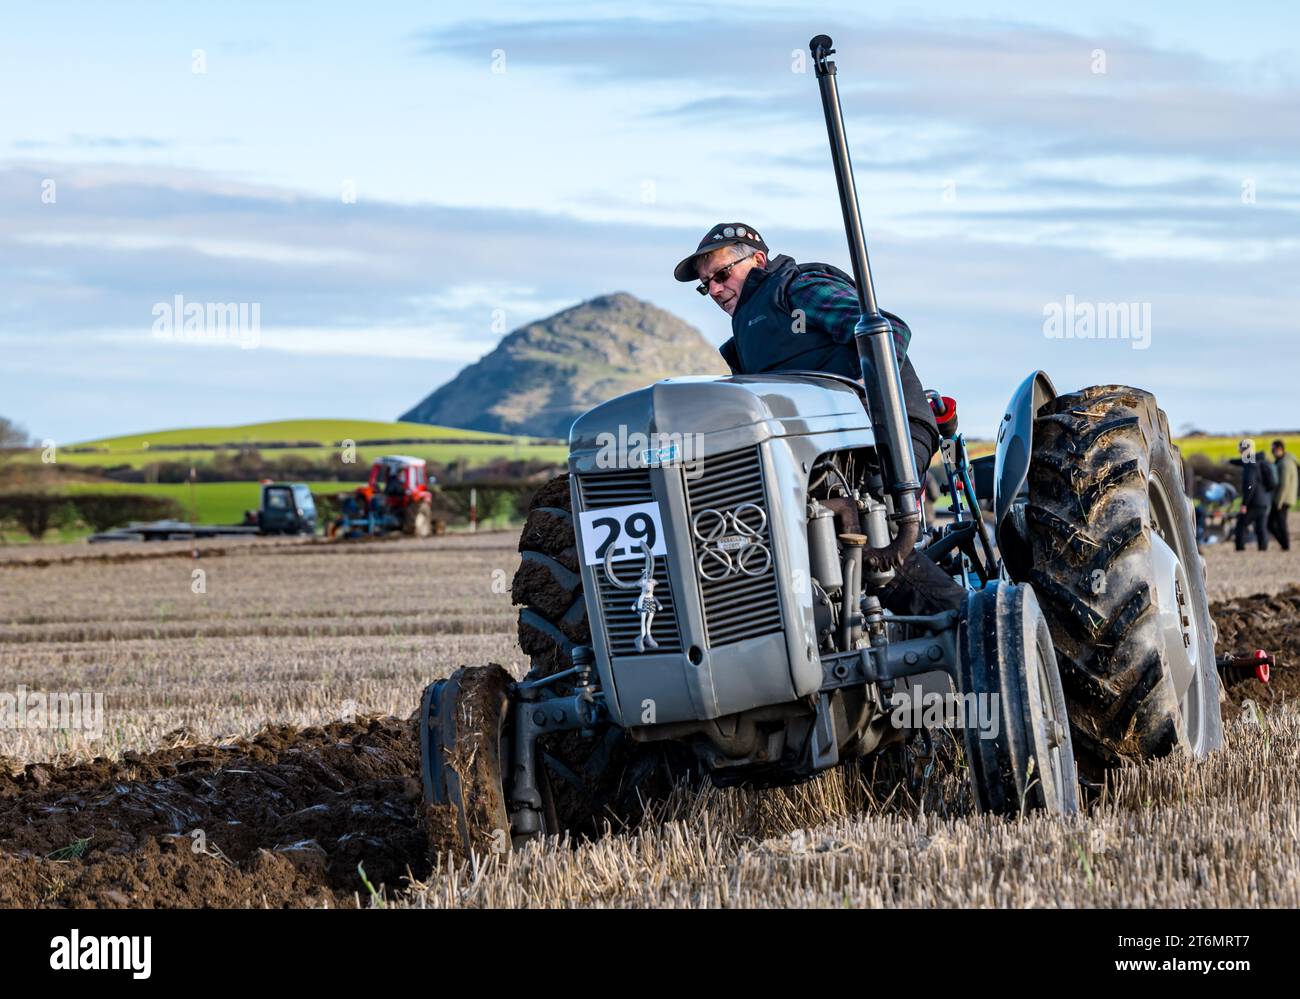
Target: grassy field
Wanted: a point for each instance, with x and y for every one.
(213, 502)
(210, 503)
(321, 440)
(472, 454)
(324, 432)
(1217, 448)
(1221, 448)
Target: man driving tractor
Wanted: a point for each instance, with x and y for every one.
(787, 316)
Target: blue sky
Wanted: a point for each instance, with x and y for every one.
(999, 172)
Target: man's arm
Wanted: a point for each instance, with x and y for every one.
(729, 354)
(831, 305)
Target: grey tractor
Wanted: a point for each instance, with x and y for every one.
(735, 581)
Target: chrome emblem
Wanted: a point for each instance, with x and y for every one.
(730, 542)
(646, 603)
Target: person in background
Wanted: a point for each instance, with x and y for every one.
(1257, 487)
(1284, 497)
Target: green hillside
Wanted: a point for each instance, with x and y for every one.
(327, 433)
(318, 440)
(471, 454)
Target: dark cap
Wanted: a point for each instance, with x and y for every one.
(722, 234)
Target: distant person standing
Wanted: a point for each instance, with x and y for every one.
(1288, 485)
(1258, 483)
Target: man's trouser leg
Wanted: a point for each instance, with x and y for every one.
(921, 425)
(1277, 526)
(1240, 534)
(1259, 517)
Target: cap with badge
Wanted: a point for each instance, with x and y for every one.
(722, 234)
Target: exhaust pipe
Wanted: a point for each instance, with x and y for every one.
(874, 339)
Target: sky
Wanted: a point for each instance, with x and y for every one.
(393, 187)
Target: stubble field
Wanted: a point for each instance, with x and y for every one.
(256, 751)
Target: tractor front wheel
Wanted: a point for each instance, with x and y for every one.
(1018, 739)
(466, 749)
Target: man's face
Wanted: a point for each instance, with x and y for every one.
(1278, 451)
(726, 291)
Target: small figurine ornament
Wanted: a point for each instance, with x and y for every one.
(646, 604)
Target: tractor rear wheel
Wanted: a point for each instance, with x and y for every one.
(1119, 577)
(417, 518)
(607, 778)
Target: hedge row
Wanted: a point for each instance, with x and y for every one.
(36, 513)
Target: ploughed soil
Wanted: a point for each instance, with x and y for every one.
(292, 816)
(283, 819)
(1269, 622)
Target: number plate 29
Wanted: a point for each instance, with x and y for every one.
(625, 529)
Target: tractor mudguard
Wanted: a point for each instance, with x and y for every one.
(1011, 468)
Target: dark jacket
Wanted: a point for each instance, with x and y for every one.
(765, 338)
(1258, 480)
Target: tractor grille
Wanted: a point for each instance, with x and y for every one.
(738, 606)
(622, 624)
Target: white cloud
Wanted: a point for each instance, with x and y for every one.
(275, 253)
(435, 342)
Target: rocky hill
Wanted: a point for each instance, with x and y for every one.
(544, 375)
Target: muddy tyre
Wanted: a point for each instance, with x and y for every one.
(609, 778)
(464, 748)
(1119, 578)
(417, 519)
(1024, 761)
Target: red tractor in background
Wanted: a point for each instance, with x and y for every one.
(397, 497)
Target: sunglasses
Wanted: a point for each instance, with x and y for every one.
(720, 275)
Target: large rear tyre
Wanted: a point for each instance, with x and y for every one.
(1022, 760)
(1113, 538)
(609, 777)
(417, 519)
